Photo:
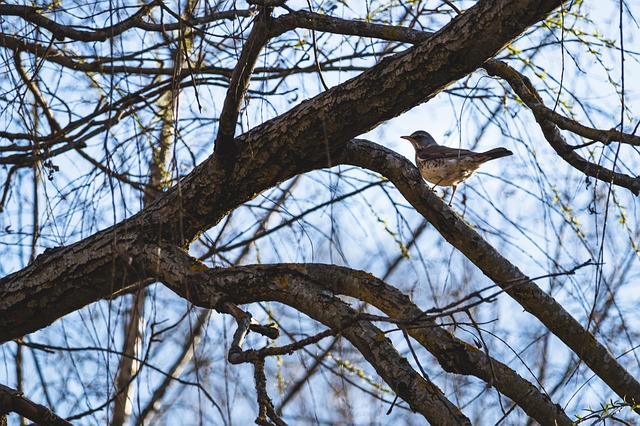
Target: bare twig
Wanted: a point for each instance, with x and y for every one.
(188, 349)
(549, 122)
(35, 16)
(33, 88)
(265, 411)
(452, 6)
(252, 355)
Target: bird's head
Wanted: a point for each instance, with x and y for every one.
(420, 139)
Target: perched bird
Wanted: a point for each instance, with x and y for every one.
(446, 166)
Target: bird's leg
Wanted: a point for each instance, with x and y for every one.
(454, 191)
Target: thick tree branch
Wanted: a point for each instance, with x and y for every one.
(207, 288)
(521, 85)
(309, 136)
(453, 354)
(502, 272)
(332, 24)
(313, 135)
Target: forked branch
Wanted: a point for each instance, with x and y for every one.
(549, 122)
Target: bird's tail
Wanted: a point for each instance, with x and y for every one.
(492, 154)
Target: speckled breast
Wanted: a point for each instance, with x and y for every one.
(448, 172)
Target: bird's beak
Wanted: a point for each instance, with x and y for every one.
(407, 138)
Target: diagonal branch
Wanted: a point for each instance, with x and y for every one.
(502, 272)
(453, 354)
(547, 117)
(32, 85)
(240, 80)
(13, 401)
(206, 287)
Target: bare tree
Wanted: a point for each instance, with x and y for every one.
(196, 231)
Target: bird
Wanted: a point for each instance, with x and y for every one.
(444, 166)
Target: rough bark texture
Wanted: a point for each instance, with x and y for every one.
(308, 137)
(316, 134)
(207, 287)
(13, 401)
(292, 285)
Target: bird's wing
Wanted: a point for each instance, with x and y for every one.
(442, 152)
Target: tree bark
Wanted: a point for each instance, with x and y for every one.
(295, 285)
(310, 136)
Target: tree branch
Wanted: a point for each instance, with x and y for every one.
(453, 354)
(309, 136)
(207, 287)
(239, 84)
(35, 91)
(521, 85)
(265, 406)
(35, 16)
(12, 401)
(549, 121)
(332, 24)
(507, 276)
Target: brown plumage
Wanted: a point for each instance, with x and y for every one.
(446, 166)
